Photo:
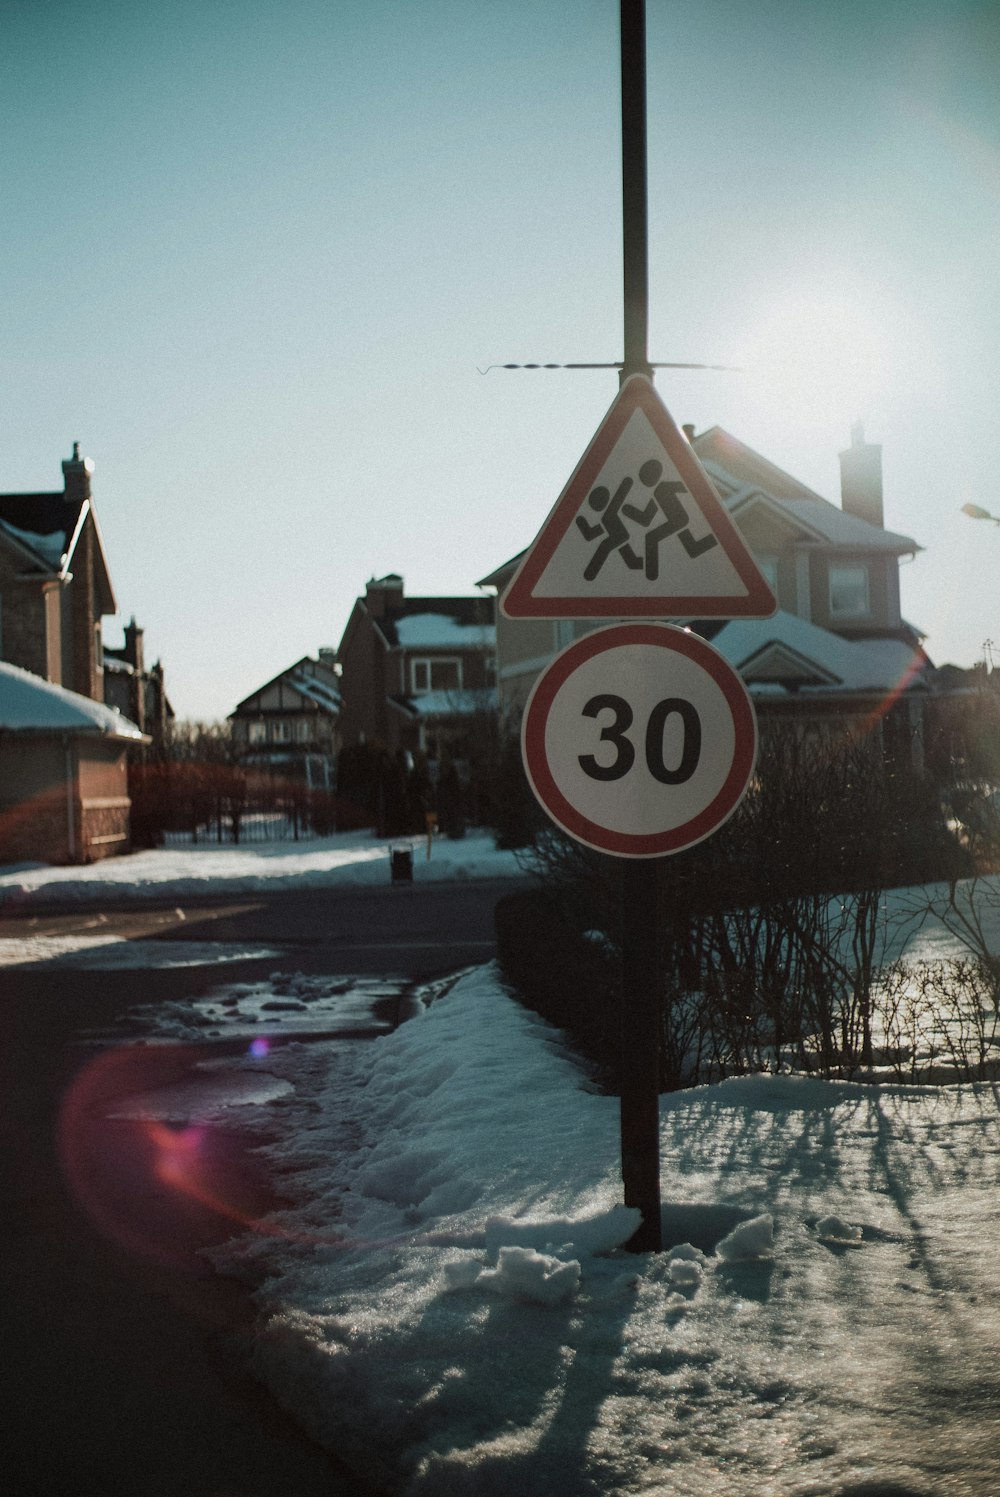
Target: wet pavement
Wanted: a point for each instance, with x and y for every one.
(125, 1366)
(136, 1092)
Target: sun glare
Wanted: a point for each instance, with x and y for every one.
(829, 357)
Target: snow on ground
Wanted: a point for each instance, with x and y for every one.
(179, 872)
(449, 1306)
(446, 1300)
(107, 953)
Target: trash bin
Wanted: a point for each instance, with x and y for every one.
(401, 864)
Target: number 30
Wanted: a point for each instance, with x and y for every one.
(615, 731)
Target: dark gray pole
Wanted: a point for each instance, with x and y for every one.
(634, 222)
(640, 1105)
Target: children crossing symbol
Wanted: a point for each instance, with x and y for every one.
(639, 531)
(616, 536)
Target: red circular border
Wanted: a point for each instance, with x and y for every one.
(636, 844)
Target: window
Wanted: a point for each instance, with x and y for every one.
(281, 731)
(257, 732)
(433, 673)
(849, 592)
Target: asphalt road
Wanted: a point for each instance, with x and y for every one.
(124, 1372)
(416, 929)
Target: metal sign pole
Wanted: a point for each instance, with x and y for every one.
(635, 234)
(640, 1106)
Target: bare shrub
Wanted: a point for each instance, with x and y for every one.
(773, 933)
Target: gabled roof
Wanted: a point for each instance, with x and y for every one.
(502, 574)
(746, 467)
(310, 679)
(788, 652)
(821, 523)
(740, 474)
(45, 528)
(43, 525)
(30, 705)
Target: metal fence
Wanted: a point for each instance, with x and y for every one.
(189, 803)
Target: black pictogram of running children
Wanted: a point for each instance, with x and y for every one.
(615, 535)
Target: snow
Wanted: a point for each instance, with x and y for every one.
(27, 704)
(316, 690)
(439, 631)
(857, 665)
(100, 953)
(445, 1298)
(448, 1303)
(458, 702)
(182, 872)
(49, 545)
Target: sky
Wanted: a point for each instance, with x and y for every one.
(442, 1296)
(255, 256)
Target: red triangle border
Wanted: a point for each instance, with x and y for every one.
(637, 393)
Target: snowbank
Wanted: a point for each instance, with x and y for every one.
(449, 1304)
(185, 872)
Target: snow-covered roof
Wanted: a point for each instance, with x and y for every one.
(848, 531)
(310, 679)
(458, 702)
(315, 690)
(30, 705)
(50, 546)
(797, 650)
(440, 631)
(738, 473)
(49, 525)
(719, 449)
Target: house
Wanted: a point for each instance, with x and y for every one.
(137, 693)
(837, 649)
(55, 587)
(63, 773)
(415, 672)
(292, 723)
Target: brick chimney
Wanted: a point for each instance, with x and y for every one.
(77, 472)
(133, 647)
(861, 478)
(383, 594)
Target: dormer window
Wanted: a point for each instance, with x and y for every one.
(849, 593)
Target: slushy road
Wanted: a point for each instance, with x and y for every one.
(124, 1372)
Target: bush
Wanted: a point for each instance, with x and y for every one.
(566, 976)
(512, 811)
(772, 932)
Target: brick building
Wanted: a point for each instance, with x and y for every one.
(63, 773)
(55, 586)
(414, 671)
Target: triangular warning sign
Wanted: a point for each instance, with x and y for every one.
(639, 531)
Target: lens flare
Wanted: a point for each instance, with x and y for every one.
(162, 1190)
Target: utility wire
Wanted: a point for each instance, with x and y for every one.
(729, 368)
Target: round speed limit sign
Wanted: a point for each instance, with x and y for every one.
(639, 739)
